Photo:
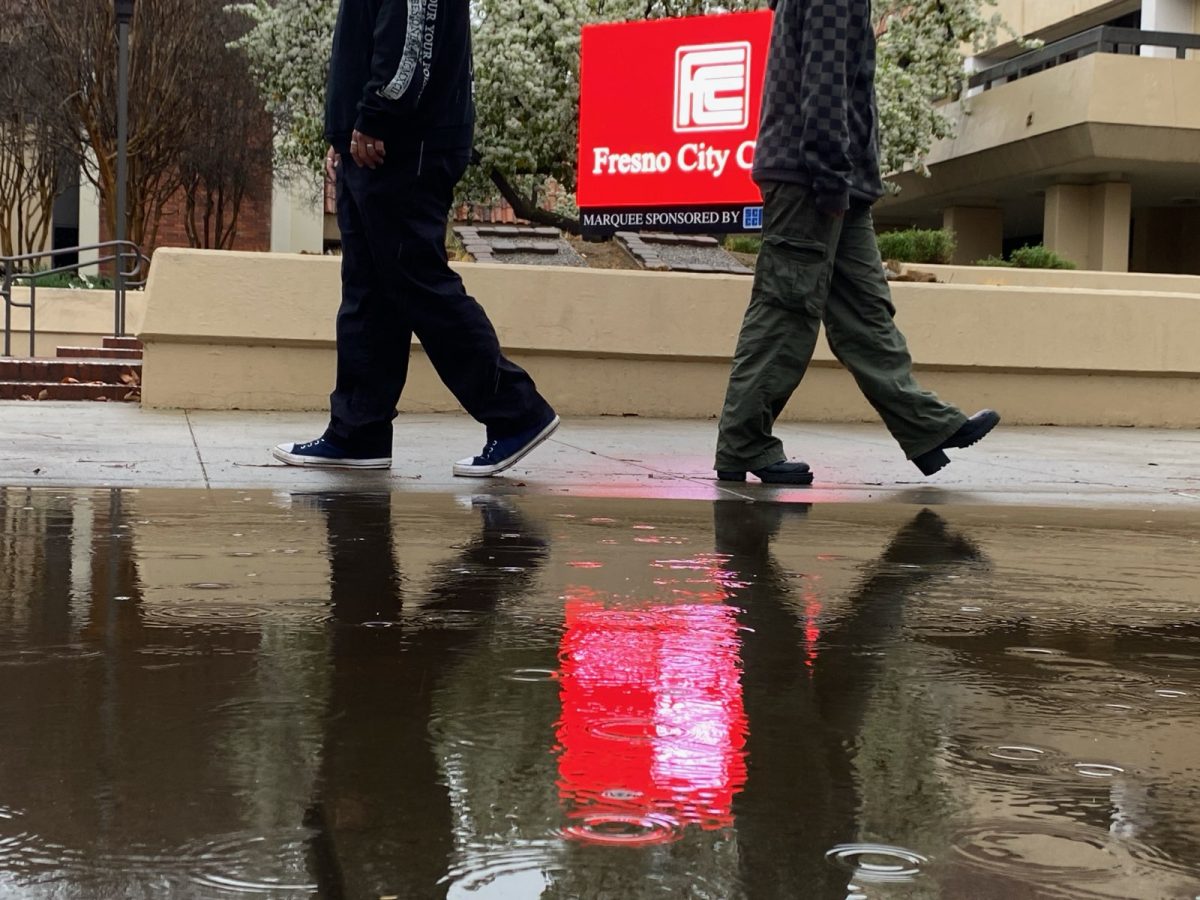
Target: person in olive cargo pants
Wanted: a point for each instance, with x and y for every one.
(817, 163)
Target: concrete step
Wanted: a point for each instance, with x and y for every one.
(33, 390)
(124, 343)
(42, 370)
(99, 353)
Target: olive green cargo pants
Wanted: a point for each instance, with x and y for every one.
(816, 268)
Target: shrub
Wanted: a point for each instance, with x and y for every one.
(1030, 257)
(743, 243)
(1038, 257)
(916, 245)
(74, 280)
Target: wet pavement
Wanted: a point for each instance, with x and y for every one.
(120, 445)
(421, 695)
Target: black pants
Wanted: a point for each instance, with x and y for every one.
(397, 282)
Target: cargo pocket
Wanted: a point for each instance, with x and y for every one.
(793, 274)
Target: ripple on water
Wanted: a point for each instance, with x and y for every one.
(30, 655)
(1098, 770)
(251, 862)
(632, 730)
(1173, 663)
(624, 829)
(1044, 853)
(248, 863)
(206, 613)
(522, 870)
(878, 863)
(529, 868)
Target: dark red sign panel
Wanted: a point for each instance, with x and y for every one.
(668, 119)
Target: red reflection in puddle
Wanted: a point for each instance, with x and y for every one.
(653, 728)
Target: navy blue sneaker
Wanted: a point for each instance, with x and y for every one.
(323, 453)
(503, 453)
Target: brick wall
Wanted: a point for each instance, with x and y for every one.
(253, 228)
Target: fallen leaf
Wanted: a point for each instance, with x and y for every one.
(101, 399)
(135, 394)
(26, 397)
(69, 380)
(44, 394)
(131, 378)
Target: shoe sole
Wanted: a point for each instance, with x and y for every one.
(489, 471)
(803, 478)
(312, 462)
(935, 460)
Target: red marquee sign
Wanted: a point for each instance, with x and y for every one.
(668, 119)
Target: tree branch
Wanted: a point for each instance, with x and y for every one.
(526, 210)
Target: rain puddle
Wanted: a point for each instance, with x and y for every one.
(211, 695)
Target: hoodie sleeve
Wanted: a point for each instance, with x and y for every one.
(824, 55)
(405, 42)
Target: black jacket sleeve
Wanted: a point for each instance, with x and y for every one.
(405, 43)
(825, 63)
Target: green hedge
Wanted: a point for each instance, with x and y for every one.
(67, 280)
(1030, 257)
(916, 245)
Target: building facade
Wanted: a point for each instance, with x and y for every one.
(1089, 144)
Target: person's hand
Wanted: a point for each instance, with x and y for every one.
(333, 159)
(366, 150)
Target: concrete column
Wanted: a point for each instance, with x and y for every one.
(297, 220)
(1068, 210)
(89, 217)
(1089, 224)
(1167, 15)
(978, 232)
(1112, 214)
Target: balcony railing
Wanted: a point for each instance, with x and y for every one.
(1105, 39)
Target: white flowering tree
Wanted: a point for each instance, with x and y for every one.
(920, 60)
(527, 82)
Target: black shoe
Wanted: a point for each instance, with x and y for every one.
(786, 472)
(975, 430)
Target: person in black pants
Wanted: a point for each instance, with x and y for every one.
(399, 118)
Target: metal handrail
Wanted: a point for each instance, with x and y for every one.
(1105, 39)
(131, 262)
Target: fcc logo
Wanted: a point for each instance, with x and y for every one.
(712, 87)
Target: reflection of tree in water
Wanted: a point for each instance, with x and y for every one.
(841, 749)
(105, 717)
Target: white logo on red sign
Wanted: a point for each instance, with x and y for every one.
(712, 87)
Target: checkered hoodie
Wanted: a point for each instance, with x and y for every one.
(819, 120)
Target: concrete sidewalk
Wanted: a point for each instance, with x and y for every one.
(91, 445)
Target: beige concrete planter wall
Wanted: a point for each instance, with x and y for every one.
(69, 318)
(252, 331)
(1069, 279)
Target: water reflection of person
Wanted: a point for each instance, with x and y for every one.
(808, 711)
(382, 817)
